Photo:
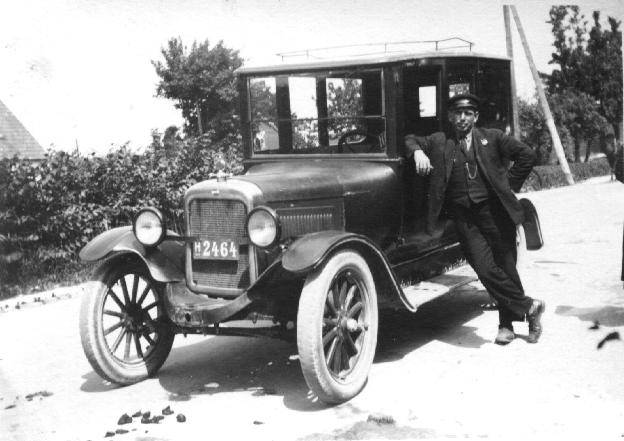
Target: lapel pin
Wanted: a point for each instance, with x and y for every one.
(484, 142)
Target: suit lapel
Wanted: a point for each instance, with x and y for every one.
(479, 145)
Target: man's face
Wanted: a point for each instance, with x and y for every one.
(463, 119)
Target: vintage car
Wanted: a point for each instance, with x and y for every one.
(324, 228)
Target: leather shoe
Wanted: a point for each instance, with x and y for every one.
(534, 318)
(505, 335)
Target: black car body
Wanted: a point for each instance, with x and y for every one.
(324, 227)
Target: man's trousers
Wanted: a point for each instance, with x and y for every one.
(488, 239)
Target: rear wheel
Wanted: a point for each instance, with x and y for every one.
(123, 327)
(337, 327)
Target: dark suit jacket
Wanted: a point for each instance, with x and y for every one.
(493, 150)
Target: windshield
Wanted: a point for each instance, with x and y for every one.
(320, 112)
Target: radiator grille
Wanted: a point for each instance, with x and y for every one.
(210, 218)
(299, 221)
(222, 273)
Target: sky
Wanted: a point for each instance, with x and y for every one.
(79, 72)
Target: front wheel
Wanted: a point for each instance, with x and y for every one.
(337, 327)
(123, 327)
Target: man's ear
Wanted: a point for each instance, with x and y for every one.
(476, 116)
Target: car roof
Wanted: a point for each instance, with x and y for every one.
(379, 59)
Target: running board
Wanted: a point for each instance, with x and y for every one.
(435, 287)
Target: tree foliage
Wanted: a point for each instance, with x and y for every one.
(201, 80)
(168, 143)
(605, 52)
(589, 60)
(344, 105)
(533, 130)
(578, 121)
(580, 115)
(262, 100)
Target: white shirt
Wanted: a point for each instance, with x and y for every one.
(468, 141)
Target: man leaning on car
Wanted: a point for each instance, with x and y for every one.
(470, 181)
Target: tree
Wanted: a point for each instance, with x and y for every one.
(580, 115)
(533, 130)
(202, 83)
(570, 30)
(605, 56)
(262, 100)
(344, 105)
(166, 144)
(589, 62)
(578, 122)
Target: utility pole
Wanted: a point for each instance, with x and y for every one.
(514, 98)
(550, 122)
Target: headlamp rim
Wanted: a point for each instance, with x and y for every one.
(278, 225)
(161, 218)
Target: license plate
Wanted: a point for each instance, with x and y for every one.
(215, 249)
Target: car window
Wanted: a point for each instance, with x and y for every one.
(320, 112)
(427, 101)
(493, 85)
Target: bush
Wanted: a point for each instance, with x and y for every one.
(50, 210)
(549, 176)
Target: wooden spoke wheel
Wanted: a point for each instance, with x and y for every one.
(337, 327)
(123, 327)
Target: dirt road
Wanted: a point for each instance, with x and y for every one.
(437, 373)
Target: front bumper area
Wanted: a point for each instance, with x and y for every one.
(186, 309)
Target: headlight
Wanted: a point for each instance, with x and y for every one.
(263, 227)
(149, 227)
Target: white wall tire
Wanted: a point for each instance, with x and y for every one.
(123, 327)
(337, 325)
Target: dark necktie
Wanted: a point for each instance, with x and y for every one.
(464, 146)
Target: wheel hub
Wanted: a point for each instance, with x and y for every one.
(351, 325)
(133, 318)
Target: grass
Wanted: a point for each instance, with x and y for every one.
(30, 275)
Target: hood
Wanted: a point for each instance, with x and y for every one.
(314, 179)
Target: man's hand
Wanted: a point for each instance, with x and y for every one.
(423, 165)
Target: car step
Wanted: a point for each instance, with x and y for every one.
(435, 287)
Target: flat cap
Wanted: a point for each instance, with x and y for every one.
(464, 100)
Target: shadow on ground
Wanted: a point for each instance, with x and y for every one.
(605, 315)
(94, 383)
(441, 319)
(264, 366)
(364, 430)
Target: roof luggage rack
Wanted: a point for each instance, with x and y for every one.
(368, 49)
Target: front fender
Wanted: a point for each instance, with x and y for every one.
(165, 262)
(312, 250)
(305, 253)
